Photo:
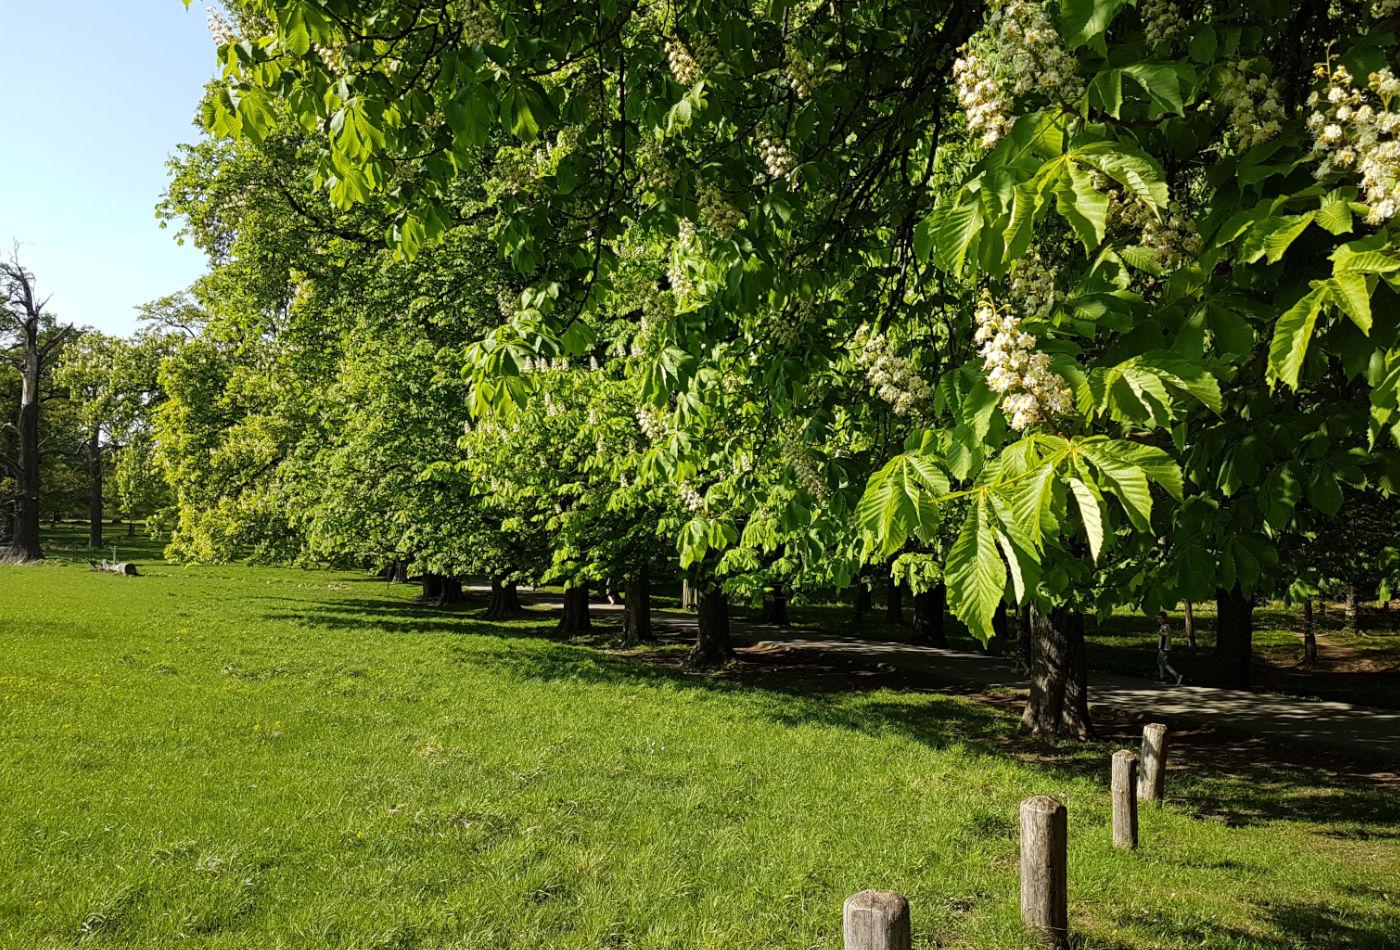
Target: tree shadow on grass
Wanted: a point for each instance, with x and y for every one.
(1296, 924)
(1234, 780)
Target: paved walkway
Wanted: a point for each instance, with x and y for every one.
(1370, 731)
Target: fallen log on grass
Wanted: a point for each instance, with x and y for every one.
(115, 567)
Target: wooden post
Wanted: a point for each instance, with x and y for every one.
(1125, 824)
(1152, 783)
(876, 920)
(1044, 874)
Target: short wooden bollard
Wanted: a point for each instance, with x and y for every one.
(1152, 781)
(1125, 825)
(876, 920)
(1044, 875)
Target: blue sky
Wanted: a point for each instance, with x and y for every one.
(96, 95)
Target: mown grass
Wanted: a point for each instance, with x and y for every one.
(252, 756)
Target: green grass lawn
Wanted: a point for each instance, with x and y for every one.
(253, 757)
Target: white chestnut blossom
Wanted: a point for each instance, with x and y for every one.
(1256, 108)
(1031, 391)
(1172, 236)
(801, 76)
(1355, 133)
(777, 157)
(1162, 22)
(652, 422)
(1017, 52)
(1384, 9)
(1169, 233)
(1033, 286)
(220, 28)
(691, 498)
(985, 104)
(893, 377)
(684, 66)
(657, 173)
(717, 214)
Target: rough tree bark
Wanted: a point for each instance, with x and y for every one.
(928, 617)
(1234, 637)
(1059, 699)
(575, 618)
(894, 603)
(636, 608)
(1191, 628)
(22, 313)
(712, 646)
(775, 604)
(1309, 636)
(505, 601)
(441, 590)
(94, 449)
(1349, 606)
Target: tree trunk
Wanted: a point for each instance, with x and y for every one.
(1309, 636)
(576, 618)
(1350, 607)
(130, 528)
(25, 546)
(712, 647)
(1058, 705)
(862, 601)
(775, 606)
(505, 601)
(894, 603)
(1191, 628)
(928, 617)
(441, 590)
(636, 608)
(95, 488)
(1234, 637)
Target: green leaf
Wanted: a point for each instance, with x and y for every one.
(976, 575)
(1324, 491)
(1162, 84)
(1203, 43)
(1335, 214)
(952, 227)
(1082, 20)
(1128, 483)
(1352, 295)
(1031, 500)
(899, 502)
(515, 110)
(1279, 494)
(1091, 513)
(1155, 463)
(1292, 334)
(1132, 169)
(1272, 236)
(1080, 204)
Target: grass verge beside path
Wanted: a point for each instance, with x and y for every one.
(251, 757)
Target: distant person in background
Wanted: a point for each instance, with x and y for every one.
(1164, 645)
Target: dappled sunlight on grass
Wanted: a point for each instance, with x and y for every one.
(247, 755)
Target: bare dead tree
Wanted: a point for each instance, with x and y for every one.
(30, 341)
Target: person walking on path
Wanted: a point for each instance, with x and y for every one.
(1164, 645)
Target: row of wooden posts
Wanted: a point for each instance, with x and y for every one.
(879, 920)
